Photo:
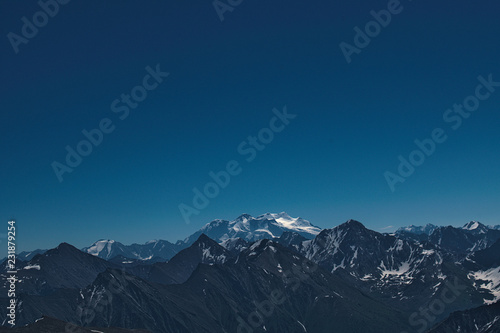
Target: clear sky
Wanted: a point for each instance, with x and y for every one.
(327, 165)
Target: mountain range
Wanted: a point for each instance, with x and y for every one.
(271, 273)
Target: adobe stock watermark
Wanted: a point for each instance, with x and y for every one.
(222, 6)
(372, 29)
(121, 106)
(425, 317)
(453, 116)
(29, 29)
(248, 148)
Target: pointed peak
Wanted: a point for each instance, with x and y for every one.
(204, 239)
(473, 225)
(214, 224)
(353, 224)
(283, 215)
(65, 246)
(274, 216)
(61, 249)
(244, 216)
(260, 244)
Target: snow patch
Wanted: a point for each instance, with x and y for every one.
(37, 267)
(489, 280)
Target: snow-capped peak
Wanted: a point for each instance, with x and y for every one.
(103, 244)
(427, 229)
(250, 229)
(296, 224)
(274, 216)
(472, 225)
(476, 227)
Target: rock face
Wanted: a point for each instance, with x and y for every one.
(62, 267)
(52, 325)
(484, 319)
(346, 279)
(289, 291)
(156, 249)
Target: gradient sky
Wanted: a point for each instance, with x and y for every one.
(353, 120)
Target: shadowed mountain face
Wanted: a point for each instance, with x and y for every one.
(291, 240)
(405, 273)
(353, 277)
(62, 267)
(180, 267)
(473, 236)
(222, 297)
(52, 325)
(484, 259)
(484, 319)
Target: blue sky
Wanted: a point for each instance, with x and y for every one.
(225, 77)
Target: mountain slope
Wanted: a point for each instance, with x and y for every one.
(52, 325)
(484, 268)
(473, 236)
(180, 267)
(156, 249)
(401, 272)
(484, 319)
(62, 267)
(267, 289)
(222, 298)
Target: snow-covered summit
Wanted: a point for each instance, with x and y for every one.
(102, 245)
(296, 224)
(474, 225)
(418, 230)
(249, 228)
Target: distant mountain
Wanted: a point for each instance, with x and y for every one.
(237, 297)
(356, 278)
(156, 249)
(183, 264)
(476, 227)
(473, 236)
(245, 227)
(418, 230)
(267, 226)
(428, 229)
(62, 267)
(461, 241)
(404, 273)
(26, 255)
(483, 319)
